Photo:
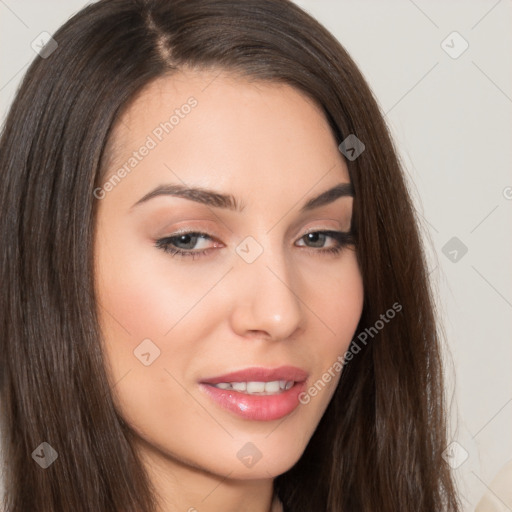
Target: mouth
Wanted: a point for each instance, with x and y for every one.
(258, 394)
(257, 388)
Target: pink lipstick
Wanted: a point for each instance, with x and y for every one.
(257, 394)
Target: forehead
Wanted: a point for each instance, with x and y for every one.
(212, 127)
(214, 88)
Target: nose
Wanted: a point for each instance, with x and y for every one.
(265, 303)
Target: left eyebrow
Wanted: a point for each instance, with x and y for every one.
(329, 196)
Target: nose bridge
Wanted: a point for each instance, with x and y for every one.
(266, 299)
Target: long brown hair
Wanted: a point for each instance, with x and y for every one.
(378, 445)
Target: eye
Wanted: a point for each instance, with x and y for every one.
(318, 239)
(183, 244)
(195, 244)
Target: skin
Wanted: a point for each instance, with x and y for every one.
(270, 146)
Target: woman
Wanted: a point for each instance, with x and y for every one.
(215, 295)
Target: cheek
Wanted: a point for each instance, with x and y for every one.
(339, 303)
(143, 290)
(137, 300)
(149, 303)
(147, 300)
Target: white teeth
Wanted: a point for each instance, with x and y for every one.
(272, 387)
(239, 386)
(257, 388)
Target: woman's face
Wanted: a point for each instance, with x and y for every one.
(259, 288)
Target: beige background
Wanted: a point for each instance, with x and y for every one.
(452, 122)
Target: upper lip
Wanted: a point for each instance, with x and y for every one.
(260, 374)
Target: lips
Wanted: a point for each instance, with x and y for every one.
(241, 399)
(258, 374)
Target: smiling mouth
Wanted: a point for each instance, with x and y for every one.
(274, 387)
(257, 393)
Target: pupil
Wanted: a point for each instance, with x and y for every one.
(187, 240)
(315, 238)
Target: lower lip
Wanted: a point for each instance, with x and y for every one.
(256, 407)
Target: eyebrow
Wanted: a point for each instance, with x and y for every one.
(218, 200)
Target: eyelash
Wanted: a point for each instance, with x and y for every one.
(342, 238)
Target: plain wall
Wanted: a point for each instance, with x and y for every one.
(452, 123)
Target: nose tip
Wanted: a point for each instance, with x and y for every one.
(265, 303)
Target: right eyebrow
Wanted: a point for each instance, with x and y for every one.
(198, 194)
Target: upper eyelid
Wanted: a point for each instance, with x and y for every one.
(200, 233)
